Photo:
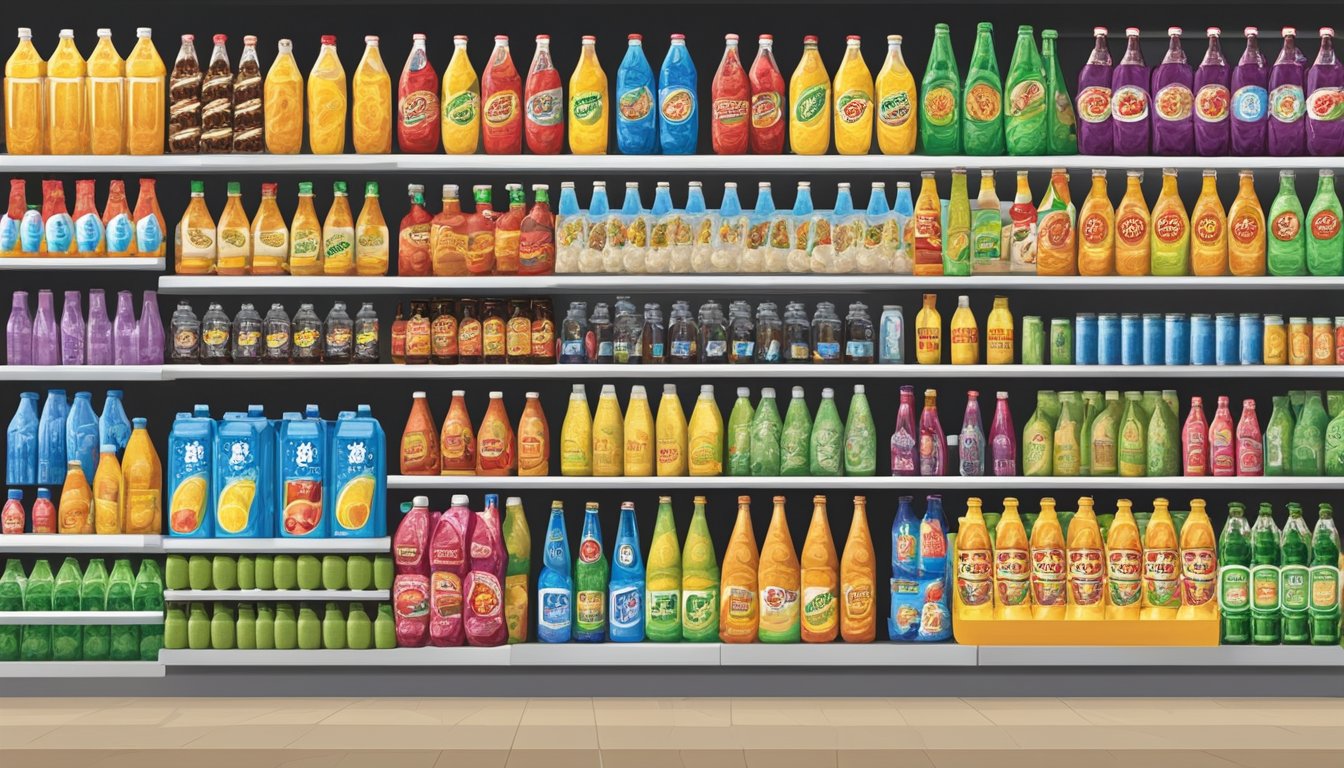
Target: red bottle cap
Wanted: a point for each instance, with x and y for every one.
(269, 188)
(459, 39)
(809, 40)
(328, 39)
(637, 38)
(221, 39)
(543, 38)
(589, 40)
(730, 38)
(766, 38)
(501, 39)
(852, 38)
(679, 37)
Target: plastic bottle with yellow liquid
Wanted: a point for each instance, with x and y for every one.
(974, 566)
(74, 512)
(1199, 565)
(1246, 227)
(109, 491)
(896, 100)
(670, 434)
(371, 112)
(576, 436)
(739, 601)
(195, 254)
(640, 452)
(327, 98)
(1056, 249)
(145, 116)
(1096, 230)
(282, 103)
(780, 580)
(1133, 249)
(1048, 567)
(999, 333)
(1171, 230)
(704, 436)
(305, 235)
(588, 118)
(1087, 565)
(1124, 564)
(965, 334)
(67, 107)
(1161, 566)
(662, 579)
(338, 234)
(107, 98)
(820, 579)
(25, 122)
(853, 92)
(234, 235)
(957, 238)
(1208, 231)
(928, 228)
(809, 100)
(929, 332)
(858, 580)
(1012, 566)
(461, 100)
(371, 235)
(142, 473)
(608, 435)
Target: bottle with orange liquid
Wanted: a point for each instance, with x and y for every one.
(974, 566)
(1246, 225)
(457, 439)
(1199, 566)
(739, 606)
(780, 582)
(108, 492)
(820, 579)
(67, 99)
(282, 103)
(25, 121)
(1133, 253)
(142, 473)
(1012, 566)
(1048, 587)
(150, 229)
(107, 98)
(928, 228)
(338, 234)
(1161, 566)
(1124, 565)
(145, 74)
(1208, 225)
(74, 514)
(234, 235)
(495, 441)
(1096, 230)
(305, 235)
(1171, 230)
(371, 235)
(419, 441)
(534, 440)
(1086, 565)
(327, 99)
(448, 236)
(1055, 250)
(858, 580)
(195, 252)
(480, 256)
(118, 227)
(270, 236)
(371, 91)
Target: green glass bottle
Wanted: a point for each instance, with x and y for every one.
(940, 91)
(1024, 124)
(795, 437)
(93, 597)
(1286, 246)
(66, 639)
(1162, 442)
(1279, 438)
(518, 543)
(826, 447)
(699, 581)
(860, 436)
(1234, 575)
(766, 429)
(982, 98)
(957, 234)
(1038, 440)
(1334, 446)
(1325, 242)
(1132, 449)
(1265, 559)
(739, 435)
(662, 579)
(1324, 609)
(1061, 123)
(592, 573)
(1295, 578)
(1308, 455)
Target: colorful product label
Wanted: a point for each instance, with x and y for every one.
(940, 106)
(1199, 575)
(1047, 575)
(1012, 576)
(895, 109)
(1094, 104)
(546, 107)
(678, 104)
(1174, 102)
(1324, 587)
(1124, 570)
(765, 109)
(1213, 103)
(1250, 104)
(1234, 588)
(1294, 588)
(974, 577)
(1326, 104)
(1265, 587)
(852, 105)
(1161, 569)
(586, 107)
(1286, 226)
(1086, 576)
(1286, 104)
(699, 609)
(1129, 104)
(811, 104)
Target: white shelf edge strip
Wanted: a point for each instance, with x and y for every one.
(44, 542)
(274, 595)
(950, 483)
(382, 657)
(173, 544)
(83, 264)
(80, 669)
(1138, 656)
(21, 618)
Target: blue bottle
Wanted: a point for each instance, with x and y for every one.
(555, 586)
(358, 458)
(626, 591)
(905, 211)
(636, 118)
(81, 434)
(21, 443)
(800, 224)
(598, 207)
(113, 426)
(590, 621)
(904, 540)
(51, 461)
(933, 539)
(678, 112)
(877, 200)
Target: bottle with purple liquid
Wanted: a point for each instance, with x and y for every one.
(1094, 99)
(1173, 101)
(125, 334)
(1003, 440)
(1250, 99)
(932, 440)
(905, 440)
(150, 331)
(72, 330)
(98, 331)
(1129, 100)
(971, 442)
(1287, 129)
(1325, 100)
(1213, 100)
(46, 333)
(19, 332)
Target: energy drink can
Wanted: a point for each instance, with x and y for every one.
(1154, 349)
(1085, 339)
(1108, 339)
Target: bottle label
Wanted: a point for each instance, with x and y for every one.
(1294, 587)
(1325, 225)
(1169, 227)
(828, 350)
(1094, 104)
(731, 111)
(699, 609)
(1286, 103)
(765, 110)
(1199, 575)
(811, 104)
(1326, 104)
(1129, 104)
(1265, 587)
(940, 106)
(1213, 103)
(1174, 102)
(9, 235)
(1012, 569)
(546, 107)
(1245, 228)
(1161, 571)
(859, 348)
(1286, 226)
(903, 452)
(1094, 228)
(744, 349)
(1208, 228)
(60, 233)
(974, 569)
(586, 107)
(714, 348)
(148, 234)
(572, 348)
(589, 610)
(1324, 587)
(88, 233)
(983, 103)
(664, 605)
(678, 104)
(1124, 570)
(779, 605)
(819, 608)
(1234, 588)
(1047, 575)
(120, 234)
(626, 610)
(461, 108)
(895, 109)
(1086, 572)
(416, 107)
(30, 232)
(635, 104)
(1250, 104)
(556, 610)
(681, 348)
(852, 106)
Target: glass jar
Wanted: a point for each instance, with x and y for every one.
(653, 336)
(826, 334)
(859, 334)
(769, 334)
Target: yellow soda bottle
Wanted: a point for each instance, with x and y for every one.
(588, 103)
(1246, 224)
(1012, 566)
(965, 334)
(371, 114)
(670, 434)
(109, 491)
(779, 581)
(67, 99)
(1133, 252)
(853, 102)
(1161, 566)
(461, 124)
(639, 435)
(858, 580)
(810, 95)
(282, 103)
(24, 103)
(1087, 565)
(608, 435)
(371, 235)
(662, 585)
(305, 235)
(1096, 230)
(739, 590)
(1208, 224)
(338, 234)
(1199, 565)
(233, 235)
(1124, 564)
(107, 98)
(74, 513)
(974, 568)
(896, 102)
(576, 436)
(999, 333)
(928, 228)
(1171, 230)
(929, 332)
(327, 96)
(1048, 587)
(145, 73)
(270, 236)
(705, 436)
(142, 473)
(195, 254)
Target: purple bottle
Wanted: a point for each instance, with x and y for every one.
(19, 332)
(1213, 100)
(1094, 99)
(125, 334)
(1129, 100)
(1287, 129)
(151, 331)
(46, 334)
(1325, 100)
(1173, 101)
(98, 345)
(932, 441)
(904, 441)
(72, 330)
(1003, 440)
(1250, 99)
(971, 442)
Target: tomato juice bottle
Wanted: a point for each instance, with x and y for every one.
(501, 123)
(544, 99)
(418, 102)
(767, 101)
(730, 99)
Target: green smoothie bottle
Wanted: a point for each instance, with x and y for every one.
(286, 628)
(739, 435)
(1334, 446)
(1295, 578)
(766, 428)
(1133, 442)
(385, 628)
(93, 597)
(66, 639)
(1092, 408)
(265, 627)
(1038, 441)
(1286, 246)
(939, 114)
(699, 582)
(222, 635)
(1025, 123)
(245, 630)
(518, 543)
(1325, 242)
(1104, 437)
(174, 628)
(1279, 438)
(333, 627)
(1163, 444)
(662, 579)
(1308, 456)
(309, 629)
(826, 448)
(198, 627)
(1067, 456)
(860, 436)
(358, 628)
(1061, 123)
(11, 599)
(795, 437)
(982, 98)
(1324, 609)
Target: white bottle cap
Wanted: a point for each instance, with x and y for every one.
(513, 501)
(1131, 31)
(1004, 395)
(858, 389)
(579, 390)
(743, 392)
(459, 393)
(104, 32)
(1102, 31)
(670, 389)
(638, 391)
(420, 501)
(67, 34)
(1327, 32)
(418, 36)
(1173, 31)
(607, 389)
(827, 393)
(496, 395)
(1251, 31)
(1212, 31)
(459, 500)
(1286, 31)
(768, 392)
(706, 389)
(25, 33)
(532, 395)
(797, 391)
(418, 395)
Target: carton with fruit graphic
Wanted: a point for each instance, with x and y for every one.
(358, 475)
(191, 450)
(304, 457)
(244, 475)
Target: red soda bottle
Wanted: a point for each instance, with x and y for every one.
(418, 102)
(767, 101)
(544, 118)
(730, 97)
(1222, 443)
(1195, 440)
(501, 89)
(1250, 447)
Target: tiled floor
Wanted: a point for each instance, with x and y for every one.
(667, 733)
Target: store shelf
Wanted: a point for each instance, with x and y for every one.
(91, 264)
(80, 618)
(71, 543)
(1229, 656)
(173, 544)
(275, 595)
(81, 670)
(881, 654)
(946, 483)
(615, 655)
(56, 373)
(385, 657)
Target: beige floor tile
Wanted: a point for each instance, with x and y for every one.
(776, 737)
(251, 736)
(646, 713)
(1086, 737)
(773, 712)
(218, 758)
(401, 758)
(559, 738)
(962, 758)
(790, 758)
(499, 712)
(135, 713)
(1136, 702)
(895, 737)
(1049, 716)
(1012, 704)
(1318, 737)
(1176, 758)
(398, 713)
(640, 758)
(694, 739)
(883, 758)
(639, 737)
(118, 737)
(569, 712)
(473, 758)
(1285, 703)
(1223, 737)
(864, 718)
(714, 758)
(546, 758)
(44, 715)
(944, 737)
(415, 737)
(1274, 758)
(12, 736)
(943, 713)
(54, 758)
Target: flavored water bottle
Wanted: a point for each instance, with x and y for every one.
(114, 428)
(595, 238)
(21, 443)
(700, 226)
(1213, 100)
(626, 594)
(1287, 129)
(1173, 101)
(665, 224)
(150, 331)
(19, 332)
(46, 333)
(98, 331)
(756, 253)
(1250, 99)
(636, 119)
(571, 230)
(1129, 100)
(555, 585)
(81, 434)
(72, 330)
(51, 461)
(1325, 100)
(730, 235)
(125, 333)
(678, 114)
(800, 224)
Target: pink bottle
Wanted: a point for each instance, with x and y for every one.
(448, 569)
(904, 441)
(1195, 440)
(46, 333)
(410, 545)
(1003, 440)
(44, 512)
(13, 517)
(484, 590)
(1222, 447)
(150, 330)
(1250, 448)
(72, 330)
(410, 604)
(98, 331)
(932, 441)
(125, 333)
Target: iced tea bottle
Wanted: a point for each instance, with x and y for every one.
(1056, 253)
(1171, 230)
(1133, 252)
(25, 123)
(217, 101)
(853, 94)
(107, 98)
(327, 97)
(305, 235)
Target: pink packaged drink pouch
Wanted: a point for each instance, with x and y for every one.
(410, 600)
(448, 567)
(484, 591)
(411, 544)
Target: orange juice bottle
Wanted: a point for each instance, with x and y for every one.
(67, 99)
(1208, 235)
(1133, 253)
(461, 100)
(820, 579)
(1246, 225)
(1096, 230)
(853, 91)
(305, 235)
(780, 582)
(282, 103)
(608, 435)
(495, 441)
(588, 117)
(338, 234)
(858, 580)
(1171, 230)
(457, 439)
(371, 235)
(142, 472)
(108, 492)
(234, 235)
(195, 254)
(640, 452)
(670, 434)
(739, 604)
(327, 102)
(1012, 566)
(371, 114)
(1124, 564)
(1048, 587)
(74, 514)
(1199, 565)
(1161, 566)
(974, 569)
(150, 230)
(895, 85)
(270, 236)
(1087, 565)
(107, 98)
(24, 102)
(145, 73)
(1056, 248)
(419, 454)
(534, 440)
(810, 97)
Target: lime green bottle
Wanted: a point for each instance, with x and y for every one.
(1162, 442)
(1025, 123)
(1325, 241)
(1286, 246)
(1061, 137)
(1038, 442)
(940, 95)
(699, 582)
(739, 435)
(982, 98)
(957, 239)
(795, 437)
(1133, 447)
(662, 579)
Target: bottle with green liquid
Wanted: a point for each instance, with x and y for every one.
(1132, 449)
(826, 447)
(739, 435)
(1038, 441)
(1324, 608)
(1295, 578)
(957, 237)
(662, 579)
(939, 113)
(1334, 446)
(1162, 442)
(1286, 246)
(1325, 241)
(1279, 438)
(1092, 407)
(860, 436)
(1061, 122)
(766, 429)
(1265, 559)
(1234, 577)
(1104, 437)
(1067, 455)
(1024, 125)
(1308, 454)
(982, 98)
(795, 437)
(699, 581)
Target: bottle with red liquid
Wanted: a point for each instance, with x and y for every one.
(1287, 128)
(508, 231)
(117, 222)
(730, 99)
(536, 239)
(1003, 440)
(1250, 99)
(1129, 100)
(905, 440)
(768, 125)
(481, 233)
(418, 112)
(1250, 446)
(59, 226)
(13, 516)
(544, 118)
(932, 441)
(1195, 440)
(44, 512)
(1222, 445)
(1325, 100)
(410, 545)
(1173, 101)
(413, 236)
(1094, 99)
(1213, 100)
(501, 115)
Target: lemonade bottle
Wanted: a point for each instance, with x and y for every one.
(779, 582)
(1048, 569)
(143, 474)
(576, 436)
(999, 333)
(371, 241)
(1096, 230)
(929, 332)
(965, 334)
(107, 98)
(338, 234)
(1132, 224)
(699, 581)
(670, 434)
(705, 436)
(1124, 565)
(608, 435)
(67, 99)
(974, 559)
(1055, 254)
(270, 236)
(820, 579)
(640, 452)
(145, 75)
(195, 254)
(24, 98)
(1208, 225)
(810, 95)
(1199, 566)
(858, 580)
(305, 235)
(853, 102)
(1246, 224)
(1087, 565)
(662, 579)
(1161, 566)
(588, 103)
(1171, 230)
(282, 103)
(928, 229)
(896, 101)
(1012, 566)
(233, 235)
(371, 114)
(327, 95)
(461, 102)
(739, 602)
(957, 239)
(108, 492)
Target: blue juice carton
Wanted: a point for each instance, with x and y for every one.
(191, 460)
(358, 476)
(305, 458)
(245, 475)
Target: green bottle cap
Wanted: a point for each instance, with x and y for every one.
(235, 189)
(305, 188)
(370, 189)
(481, 193)
(198, 187)
(541, 193)
(338, 188)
